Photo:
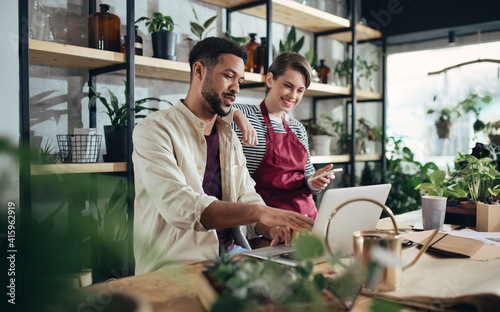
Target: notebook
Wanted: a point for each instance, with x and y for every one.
(356, 216)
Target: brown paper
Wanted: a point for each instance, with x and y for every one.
(457, 246)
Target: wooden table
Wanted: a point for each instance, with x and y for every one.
(173, 289)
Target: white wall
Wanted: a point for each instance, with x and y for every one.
(9, 80)
(64, 91)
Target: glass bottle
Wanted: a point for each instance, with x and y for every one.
(137, 44)
(104, 30)
(260, 57)
(249, 47)
(323, 72)
(45, 30)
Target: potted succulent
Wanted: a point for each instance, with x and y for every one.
(116, 134)
(163, 38)
(444, 120)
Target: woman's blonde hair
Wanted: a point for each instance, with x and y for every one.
(291, 60)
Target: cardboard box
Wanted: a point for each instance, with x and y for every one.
(488, 218)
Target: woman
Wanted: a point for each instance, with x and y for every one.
(280, 163)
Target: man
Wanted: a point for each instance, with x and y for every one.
(193, 190)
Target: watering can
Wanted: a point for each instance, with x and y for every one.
(368, 243)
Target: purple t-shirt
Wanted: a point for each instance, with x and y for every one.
(212, 185)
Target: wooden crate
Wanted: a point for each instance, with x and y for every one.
(488, 218)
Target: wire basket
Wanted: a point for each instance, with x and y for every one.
(79, 148)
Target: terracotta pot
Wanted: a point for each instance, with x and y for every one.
(467, 205)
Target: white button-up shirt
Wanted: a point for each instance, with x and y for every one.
(169, 165)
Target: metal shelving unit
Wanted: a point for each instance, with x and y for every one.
(39, 52)
(291, 13)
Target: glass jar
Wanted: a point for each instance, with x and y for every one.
(249, 47)
(104, 30)
(138, 43)
(260, 57)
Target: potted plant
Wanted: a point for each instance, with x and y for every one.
(365, 70)
(444, 120)
(199, 30)
(492, 130)
(480, 176)
(475, 103)
(366, 132)
(164, 39)
(291, 43)
(322, 133)
(343, 70)
(111, 228)
(116, 134)
(238, 40)
(440, 186)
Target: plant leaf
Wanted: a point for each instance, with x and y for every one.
(209, 21)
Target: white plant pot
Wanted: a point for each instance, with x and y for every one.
(322, 144)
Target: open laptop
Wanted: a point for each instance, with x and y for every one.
(356, 216)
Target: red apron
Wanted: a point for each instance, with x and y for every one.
(280, 176)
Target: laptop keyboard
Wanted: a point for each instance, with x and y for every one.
(286, 255)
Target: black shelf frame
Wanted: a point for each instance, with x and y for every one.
(25, 186)
(353, 96)
(352, 103)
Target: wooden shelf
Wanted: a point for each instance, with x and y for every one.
(327, 159)
(99, 167)
(56, 54)
(291, 13)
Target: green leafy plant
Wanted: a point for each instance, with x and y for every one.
(312, 57)
(404, 173)
(201, 30)
(291, 43)
(480, 176)
(365, 69)
(45, 154)
(445, 114)
(491, 127)
(251, 285)
(343, 69)
(111, 221)
(118, 112)
(158, 22)
(438, 186)
(239, 40)
(475, 103)
(367, 132)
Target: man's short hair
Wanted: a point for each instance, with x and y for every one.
(208, 50)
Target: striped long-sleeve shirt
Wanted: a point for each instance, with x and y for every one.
(254, 155)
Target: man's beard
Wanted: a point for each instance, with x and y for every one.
(213, 99)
